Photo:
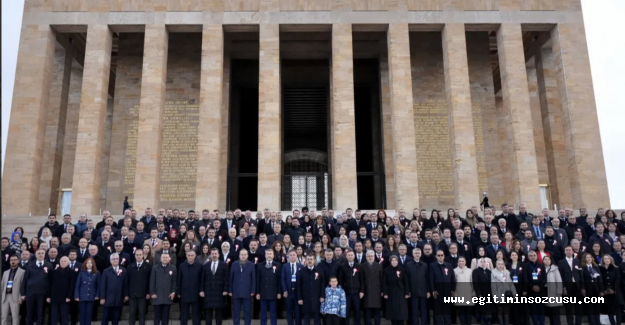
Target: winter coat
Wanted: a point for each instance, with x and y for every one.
(215, 285)
(373, 285)
(87, 286)
(335, 302)
(464, 285)
(311, 287)
(395, 288)
(61, 285)
(163, 283)
(114, 286)
(242, 280)
(501, 281)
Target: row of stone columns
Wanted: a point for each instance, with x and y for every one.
(572, 71)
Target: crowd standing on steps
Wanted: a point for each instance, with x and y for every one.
(317, 266)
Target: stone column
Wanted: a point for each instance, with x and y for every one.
(524, 170)
(27, 126)
(55, 132)
(91, 121)
(385, 102)
(151, 111)
(580, 124)
(209, 143)
(269, 123)
(551, 112)
(461, 131)
(342, 123)
(402, 118)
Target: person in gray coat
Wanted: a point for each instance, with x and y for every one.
(162, 289)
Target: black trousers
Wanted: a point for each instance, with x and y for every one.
(137, 306)
(554, 315)
(442, 313)
(184, 312)
(58, 311)
(332, 319)
(209, 315)
(376, 315)
(111, 313)
(23, 313)
(73, 312)
(161, 314)
(353, 304)
(465, 313)
(313, 315)
(35, 308)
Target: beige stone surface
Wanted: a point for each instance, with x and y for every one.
(269, 115)
(342, 123)
(225, 119)
(211, 108)
(402, 117)
(24, 148)
(539, 136)
(151, 107)
(71, 127)
(55, 132)
(588, 181)
(487, 142)
(516, 101)
(462, 134)
(387, 129)
(551, 117)
(123, 148)
(91, 124)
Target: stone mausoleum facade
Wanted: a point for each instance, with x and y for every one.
(280, 104)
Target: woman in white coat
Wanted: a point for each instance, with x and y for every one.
(554, 289)
(464, 288)
(501, 282)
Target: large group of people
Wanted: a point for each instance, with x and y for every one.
(321, 266)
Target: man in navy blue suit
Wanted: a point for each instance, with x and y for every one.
(442, 284)
(288, 280)
(242, 287)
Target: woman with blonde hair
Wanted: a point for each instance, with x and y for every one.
(554, 289)
(611, 282)
(464, 288)
(46, 236)
(501, 284)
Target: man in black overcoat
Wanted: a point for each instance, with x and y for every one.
(535, 280)
(268, 287)
(417, 272)
(372, 300)
(481, 278)
(113, 290)
(442, 284)
(311, 290)
(571, 272)
(214, 283)
(328, 266)
(138, 287)
(188, 291)
(352, 281)
(35, 286)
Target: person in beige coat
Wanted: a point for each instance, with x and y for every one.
(12, 301)
(554, 289)
(501, 282)
(464, 288)
(481, 255)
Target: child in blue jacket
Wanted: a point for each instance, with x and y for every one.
(335, 304)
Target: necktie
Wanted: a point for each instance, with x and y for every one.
(402, 260)
(538, 232)
(139, 265)
(292, 268)
(65, 227)
(38, 264)
(153, 242)
(82, 252)
(71, 266)
(214, 268)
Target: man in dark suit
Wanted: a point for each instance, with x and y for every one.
(124, 259)
(535, 280)
(328, 265)
(380, 256)
(268, 287)
(214, 286)
(370, 226)
(83, 250)
(464, 246)
(288, 281)
(148, 219)
(242, 287)
(131, 245)
(277, 228)
(442, 284)
(188, 291)
(600, 237)
(352, 280)
(417, 272)
(163, 288)
(75, 266)
(403, 257)
(310, 290)
(138, 288)
(491, 250)
(571, 273)
(229, 222)
(35, 286)
(113, 290)
(538, 232)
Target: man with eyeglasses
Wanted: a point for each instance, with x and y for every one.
(124, 258)
(442, 284)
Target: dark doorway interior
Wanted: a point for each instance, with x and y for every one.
(243, 137)
(369, 150)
